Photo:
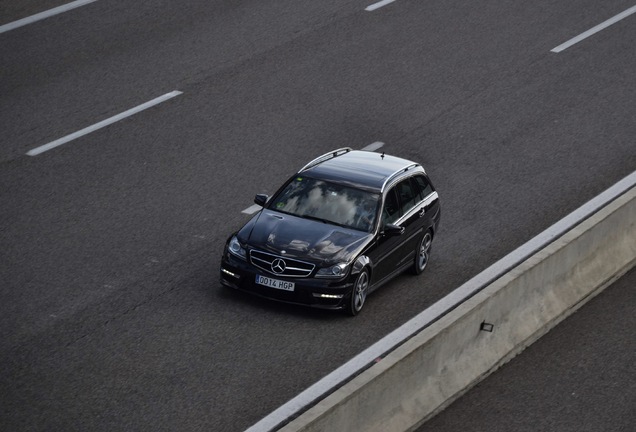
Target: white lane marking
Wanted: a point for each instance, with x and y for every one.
(252, 209)
(360, 362)
(104, 123)
(42, 15)
(378, 5)
(374, 146)
(593, 30)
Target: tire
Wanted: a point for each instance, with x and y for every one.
(422, 253)
(358, 293)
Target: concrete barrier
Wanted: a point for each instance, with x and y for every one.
(443, 361)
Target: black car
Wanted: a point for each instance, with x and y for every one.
(339, 228)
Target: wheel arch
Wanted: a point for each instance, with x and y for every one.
(361, 263)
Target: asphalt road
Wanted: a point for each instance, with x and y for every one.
(110, 307)
(581, 376)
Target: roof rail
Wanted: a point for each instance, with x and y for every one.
(332, 154)
(397, 173)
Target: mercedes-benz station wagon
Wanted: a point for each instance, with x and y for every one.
(343, 225)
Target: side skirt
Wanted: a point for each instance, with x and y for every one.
(390, 276)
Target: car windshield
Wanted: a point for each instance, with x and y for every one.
(329, 202)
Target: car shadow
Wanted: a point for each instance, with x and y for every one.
(253, 303)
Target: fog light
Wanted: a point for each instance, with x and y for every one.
(227, 272)
(328, 296)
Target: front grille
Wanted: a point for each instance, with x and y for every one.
(280, 266)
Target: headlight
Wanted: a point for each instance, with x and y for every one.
(334, 271)
(235, 248)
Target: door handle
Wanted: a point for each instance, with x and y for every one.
(422, 211)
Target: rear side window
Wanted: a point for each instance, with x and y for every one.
(423, 186)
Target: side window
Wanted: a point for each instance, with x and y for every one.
(408, 195)
(391, 209)
(423, 186)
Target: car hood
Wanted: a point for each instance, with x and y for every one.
(305, 239)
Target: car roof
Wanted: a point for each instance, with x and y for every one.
(358, 168)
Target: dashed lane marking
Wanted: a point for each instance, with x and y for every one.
(42, 15)
(594, 30)
(373, 147)
(36, 151)
(378, 5)
(252, 209)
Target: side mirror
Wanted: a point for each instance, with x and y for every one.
(393, 230)
(261, 199)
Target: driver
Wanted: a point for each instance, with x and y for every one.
(367, 215)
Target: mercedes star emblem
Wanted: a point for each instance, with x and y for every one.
(278, 266)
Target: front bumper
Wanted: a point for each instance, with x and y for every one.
(314, 292)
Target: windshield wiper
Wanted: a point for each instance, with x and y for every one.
(329, 222)
(306, 216)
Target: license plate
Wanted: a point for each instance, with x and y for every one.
(275, 283)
